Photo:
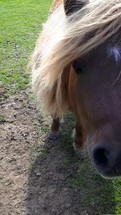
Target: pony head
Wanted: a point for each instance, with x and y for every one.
(84, 36)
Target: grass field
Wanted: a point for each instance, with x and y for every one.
(20, 24)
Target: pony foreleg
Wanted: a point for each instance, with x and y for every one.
(54, 131)
(78, 143)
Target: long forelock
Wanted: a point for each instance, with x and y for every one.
(63, 39)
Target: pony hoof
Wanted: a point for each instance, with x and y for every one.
(79, 152)
(52, 136)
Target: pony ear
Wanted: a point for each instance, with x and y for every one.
(72, 6)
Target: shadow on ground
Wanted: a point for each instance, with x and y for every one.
(60, 184)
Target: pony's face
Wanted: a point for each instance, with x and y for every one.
(93, 27)
(98, 89)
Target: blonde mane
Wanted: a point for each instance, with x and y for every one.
(64, 39)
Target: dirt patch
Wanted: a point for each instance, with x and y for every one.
(16, 135)
(30, 186)
(37, 177)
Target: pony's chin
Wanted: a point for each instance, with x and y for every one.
(109, 173)
(105, 175)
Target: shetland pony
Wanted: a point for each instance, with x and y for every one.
(76, 65)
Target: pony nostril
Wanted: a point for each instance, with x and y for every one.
(107, 160)
(100, 156)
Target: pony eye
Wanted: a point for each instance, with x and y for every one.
(77, 67)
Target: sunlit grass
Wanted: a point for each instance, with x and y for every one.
(20, 24)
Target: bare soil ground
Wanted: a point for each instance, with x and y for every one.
(31, 182)
(37, 177)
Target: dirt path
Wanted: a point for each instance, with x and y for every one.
(16, 135)
(34, 181)
(37, 178)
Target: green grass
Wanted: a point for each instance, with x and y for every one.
(20, 23)
(2, 119)
(103, 196)
(97, 192)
